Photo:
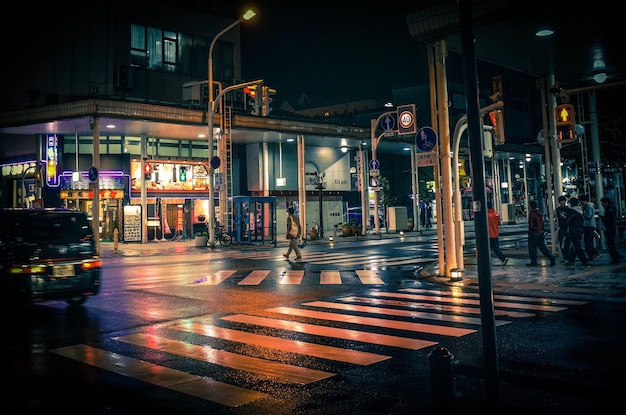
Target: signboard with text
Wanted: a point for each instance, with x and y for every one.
(426, 159)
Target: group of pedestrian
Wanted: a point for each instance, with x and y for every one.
(575, 235)
(577, 228)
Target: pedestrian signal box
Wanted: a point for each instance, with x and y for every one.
(565, 123)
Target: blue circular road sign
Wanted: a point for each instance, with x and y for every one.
(426, 139)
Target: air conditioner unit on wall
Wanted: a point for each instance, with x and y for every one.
(195, 95)
(123, 76)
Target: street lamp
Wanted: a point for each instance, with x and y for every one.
(214, 163)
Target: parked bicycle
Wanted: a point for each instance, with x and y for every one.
(520, 215)
(223, 236)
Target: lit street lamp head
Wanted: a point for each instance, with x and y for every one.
(249, 14)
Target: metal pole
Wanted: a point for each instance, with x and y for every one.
(210, 121)
(415, 186)
(487, 314)
(445, 156)
(434, 121)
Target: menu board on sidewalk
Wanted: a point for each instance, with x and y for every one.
(132, 223)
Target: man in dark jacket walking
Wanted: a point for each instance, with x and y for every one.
(589, 226)
(610, 229)
(561, 217)
(574, 236)
(536, 236)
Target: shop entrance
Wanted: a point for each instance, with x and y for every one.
(254, 219)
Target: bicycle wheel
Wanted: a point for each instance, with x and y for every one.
(225, 239)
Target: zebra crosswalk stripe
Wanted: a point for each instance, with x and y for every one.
(198, 386)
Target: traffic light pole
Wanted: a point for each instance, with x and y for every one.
(564, 94)
(211, 122)
(365, 210)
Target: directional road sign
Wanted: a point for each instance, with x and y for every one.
(388, 123)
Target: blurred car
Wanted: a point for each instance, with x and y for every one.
(47, 254)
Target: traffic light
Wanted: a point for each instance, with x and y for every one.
(147, 170)
(267, 94)
(182, 174)
(565, 123)
(253, 100)
(38, 176)
(497, 121)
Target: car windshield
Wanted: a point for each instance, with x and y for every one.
(45, 227)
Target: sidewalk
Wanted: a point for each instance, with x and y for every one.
(601, 277)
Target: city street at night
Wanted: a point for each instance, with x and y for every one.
(350, 329)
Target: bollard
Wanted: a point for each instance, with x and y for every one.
(116, 234)
(442, 387)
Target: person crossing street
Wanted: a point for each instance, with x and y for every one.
(610, 229)
(589, 227)
(536, 236)
(494, 221)
(294, 232)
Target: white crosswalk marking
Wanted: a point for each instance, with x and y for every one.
(255, 277)
(292, 277)
(330, 277)
(369, 277)
(198, 386)
(337, 258)
(260, 345)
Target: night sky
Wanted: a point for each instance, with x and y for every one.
(332, 52)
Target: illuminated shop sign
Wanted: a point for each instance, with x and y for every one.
(52, 160)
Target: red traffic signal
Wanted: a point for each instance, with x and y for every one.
(251, 91)
(497, 121)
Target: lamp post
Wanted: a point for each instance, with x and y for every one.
(213, 164)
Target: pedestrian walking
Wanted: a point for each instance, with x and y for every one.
(494, 221)
(561, 218)
(609, 219)
(422, 214)
(294, 232)
(429, 215)
(589, 227)
(536, 236)
(575, 231)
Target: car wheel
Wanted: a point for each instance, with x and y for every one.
(74, 301)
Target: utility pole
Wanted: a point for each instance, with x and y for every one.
(320, 185)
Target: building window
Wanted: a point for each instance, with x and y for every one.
(155, 48)
(170, 51)
(162, 50)
(138, 48)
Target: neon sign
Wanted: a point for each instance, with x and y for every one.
(52, 158)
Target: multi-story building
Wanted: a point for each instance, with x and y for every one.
(108, 104)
